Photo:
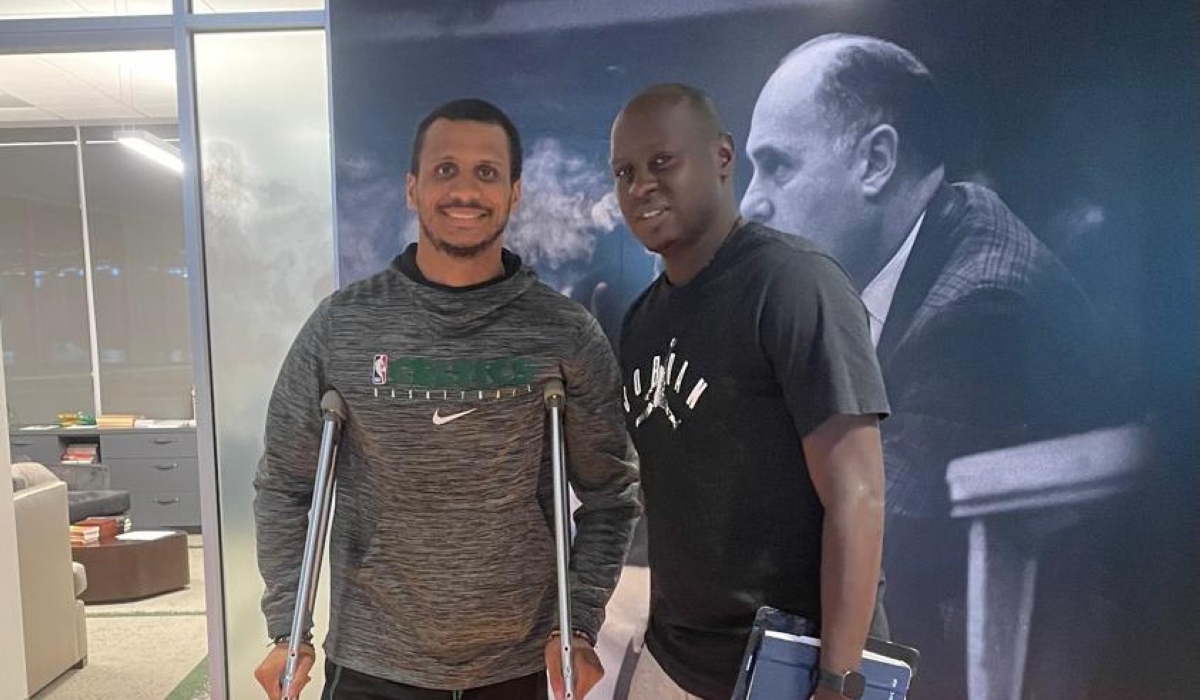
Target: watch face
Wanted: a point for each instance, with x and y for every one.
(853, 684)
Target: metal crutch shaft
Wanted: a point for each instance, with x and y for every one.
(556, 397)
(334, 409)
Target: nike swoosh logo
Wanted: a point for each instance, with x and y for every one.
(442, 420)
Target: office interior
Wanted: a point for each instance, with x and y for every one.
(106, 316)
(167, 223)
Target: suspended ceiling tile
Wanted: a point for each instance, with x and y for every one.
(28, 76)
(126, 76)
(39, 8)
(141, 83)
(26, 114)
(159, 110)
(98, 112)
(8, 101)
(125, 7)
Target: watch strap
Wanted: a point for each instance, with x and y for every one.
(838, 683)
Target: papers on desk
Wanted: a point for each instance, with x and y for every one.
(153, 423)
(39, 427)
(145, 535)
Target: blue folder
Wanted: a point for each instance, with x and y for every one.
(783, 653)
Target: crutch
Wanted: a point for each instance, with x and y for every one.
(334, 409)
(556, 398)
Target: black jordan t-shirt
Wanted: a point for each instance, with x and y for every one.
(722, 378)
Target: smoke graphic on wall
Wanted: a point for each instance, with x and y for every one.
(567, 203)
(269, 261)
(373, 220)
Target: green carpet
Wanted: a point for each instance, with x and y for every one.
(194, 686)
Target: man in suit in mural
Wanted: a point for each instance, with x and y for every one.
(982, 335)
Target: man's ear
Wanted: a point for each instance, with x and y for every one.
(516, 194)
(726, 155)
(410, 186)
(877, 154)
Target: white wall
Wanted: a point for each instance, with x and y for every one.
(12, 634)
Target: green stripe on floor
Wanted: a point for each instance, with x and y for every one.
(194, 685)
(145, 613)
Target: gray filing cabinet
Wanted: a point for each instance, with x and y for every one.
(158, 467)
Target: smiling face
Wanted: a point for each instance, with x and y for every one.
(462, 192)
(669, 167)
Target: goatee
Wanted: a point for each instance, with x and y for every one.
(462, 251)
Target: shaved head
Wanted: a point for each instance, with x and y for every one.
(673, 169)
(697, 103)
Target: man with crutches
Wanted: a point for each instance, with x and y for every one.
(442, 542)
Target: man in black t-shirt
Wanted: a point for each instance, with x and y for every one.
(753, 395)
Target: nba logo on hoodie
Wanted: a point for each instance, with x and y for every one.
(379, 369)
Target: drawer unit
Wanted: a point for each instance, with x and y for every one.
(164, 508)
(35, 448)
(158, 467)
(149, 443)
(160, 471)
(154, 474)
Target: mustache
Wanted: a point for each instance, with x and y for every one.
(465, 204)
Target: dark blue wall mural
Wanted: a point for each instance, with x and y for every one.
(1042, 535)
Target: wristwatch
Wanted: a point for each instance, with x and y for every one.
(850, 684)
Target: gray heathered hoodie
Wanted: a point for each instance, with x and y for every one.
(441, 549)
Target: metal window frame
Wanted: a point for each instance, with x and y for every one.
(176, 31)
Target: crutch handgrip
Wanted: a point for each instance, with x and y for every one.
(332, 402)
(555, 393)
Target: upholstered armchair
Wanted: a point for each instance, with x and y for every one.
(54, 622)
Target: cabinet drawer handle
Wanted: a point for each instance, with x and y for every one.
(166, 501)
(18, 443)
(167, 467)
(162, 441)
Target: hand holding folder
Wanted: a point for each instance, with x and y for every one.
(784, 652)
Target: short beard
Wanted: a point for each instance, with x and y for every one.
(464, 252)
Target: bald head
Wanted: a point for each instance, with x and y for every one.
(859, 82)
(845, 145)
(696, 108)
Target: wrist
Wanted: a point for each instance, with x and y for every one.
(579, 634)
(286, 639)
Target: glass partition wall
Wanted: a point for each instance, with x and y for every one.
(268, 246)
(251, 251)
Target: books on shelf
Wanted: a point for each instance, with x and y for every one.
(117, 420)
(81, 453)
